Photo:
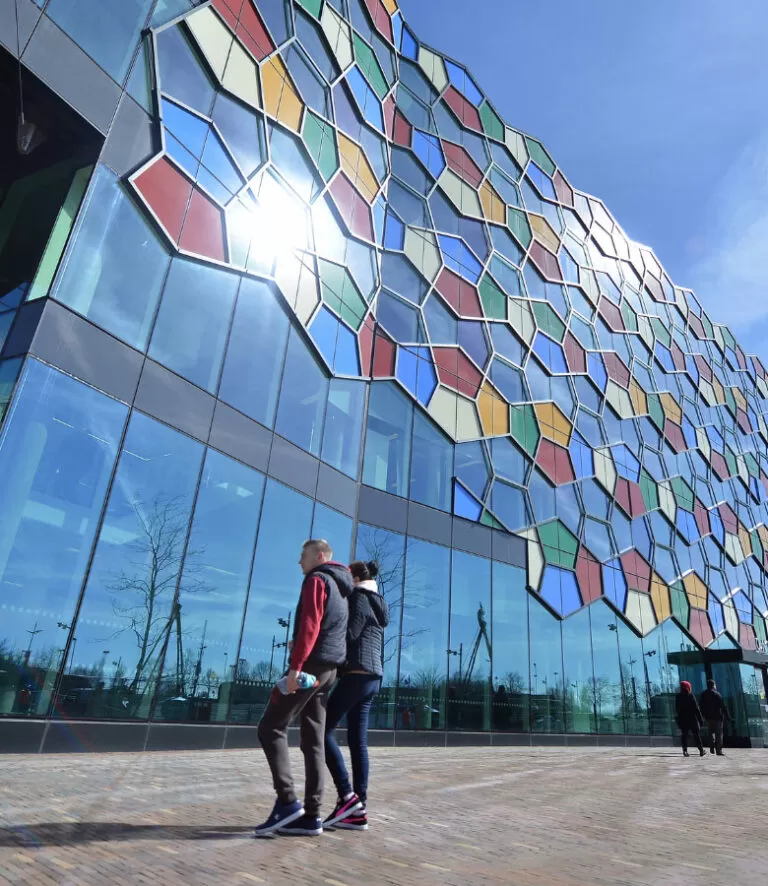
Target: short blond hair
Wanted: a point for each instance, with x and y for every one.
(319, 545)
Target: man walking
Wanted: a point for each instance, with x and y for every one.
(714, 711)
(319, 647)
(688, 717)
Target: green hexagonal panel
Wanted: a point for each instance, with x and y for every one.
(559, 544)
(524, 429)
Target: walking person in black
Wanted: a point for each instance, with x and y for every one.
(688, 717)
(714, 711)
(354, 695)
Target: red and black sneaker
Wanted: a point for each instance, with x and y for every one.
(344, 808)
(358, 821)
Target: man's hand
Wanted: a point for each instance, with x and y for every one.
(293, 681)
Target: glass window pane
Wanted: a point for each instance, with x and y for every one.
(336, 529)
(181, 73)
(423, 659)
(609, 685)
(128, 619)
(511, 696)
(431, 464)
(303, 397)
(108, 30)
(197, 683)
(343, 434)
(193, 321)
(469, 655)
(547, 713)
(57, 451)
(388, 550)
(251, 377)
(635, 678)
(580, 695)
(388, 439)
(115, 267)
(286, 521)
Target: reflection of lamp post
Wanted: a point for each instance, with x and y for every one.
(632, 663)
(460, 653)
(272, 656)
(32, 634)
(284, 623)
(647, 655)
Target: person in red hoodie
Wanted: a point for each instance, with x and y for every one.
(319, 647)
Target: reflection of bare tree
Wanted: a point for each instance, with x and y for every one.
(144, 593)
(513, 682)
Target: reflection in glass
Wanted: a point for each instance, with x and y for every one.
(343, 434)
(388, 439)
(128, 618)
(303, 397)
(336, 529)
(276, 578)
(581, 689)
(57, 451)
(251, 377)
(431, 464)
(511, 681)
(546, 670)
(421, 696)
(115, 267)
(198, 671)
(469, 652)
(635, 677)
(193, 322)
(610, 696)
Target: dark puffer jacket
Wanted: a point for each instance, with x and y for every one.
(368, 616)
(687, 711)
(712, 705)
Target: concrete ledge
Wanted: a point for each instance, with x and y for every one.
(89, 736)
(21, 736)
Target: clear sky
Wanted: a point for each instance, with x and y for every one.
(659, 107)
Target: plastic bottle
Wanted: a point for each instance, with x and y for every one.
(305, 681)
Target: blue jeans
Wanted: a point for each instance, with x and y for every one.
(353, 696)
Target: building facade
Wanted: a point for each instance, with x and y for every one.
(274, 269)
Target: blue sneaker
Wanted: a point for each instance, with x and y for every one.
(282, 814)
(304, 826)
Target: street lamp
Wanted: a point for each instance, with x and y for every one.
(460, 653)
(284, 623)
(32, 634)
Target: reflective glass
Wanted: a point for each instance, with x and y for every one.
(546, 670)
(303, 397)
(581, 690)
(511, 680)
(336, 529)
(193, 321)
(388, 550)
(197, 677)
(612, 704)
(422, 685)
(342, 437)
(108, 30)
(58, 448)
(286, 521)
(388, 439)
(469, 654)
(431, 464)
(115, 266)
(181, 73)
(251, 377)
(128, 618)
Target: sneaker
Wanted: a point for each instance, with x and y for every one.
(304, 826)
(686, 754)
(282, 814)
(701, 752)
(344, 808)
(712, 749)
(358, 821)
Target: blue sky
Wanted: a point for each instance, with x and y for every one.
(658, 107)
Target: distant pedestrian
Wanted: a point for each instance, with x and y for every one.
(319, 647)
(714, 711)
(688, 717)
(354, 695)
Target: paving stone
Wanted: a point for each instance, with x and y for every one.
(456, 816)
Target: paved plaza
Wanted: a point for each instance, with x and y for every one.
(543, 816)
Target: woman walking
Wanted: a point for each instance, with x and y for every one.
(354, 694)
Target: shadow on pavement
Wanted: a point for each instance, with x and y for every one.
(74, 833)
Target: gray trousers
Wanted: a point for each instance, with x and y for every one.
(310, 706)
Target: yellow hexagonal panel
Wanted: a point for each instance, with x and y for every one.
(358, 169)
(671, 408)
(719, 391)
(544, 233)
(696, 590)
(660, 597)
(639, 400)
(741, 400)
(746, 543)
(493, 205)
(390, 6)
(554, 425)
(494, 411)
(280, 97)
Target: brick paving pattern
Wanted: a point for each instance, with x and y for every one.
(526, 817)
